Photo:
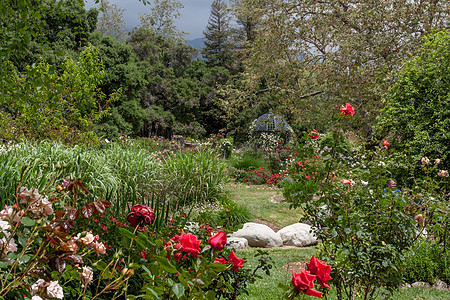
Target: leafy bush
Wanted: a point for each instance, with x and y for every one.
(424, 263)
(417, 111)
(248, 161)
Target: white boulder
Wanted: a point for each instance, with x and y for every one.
(259, 235)
(237, 243)
(297, 235)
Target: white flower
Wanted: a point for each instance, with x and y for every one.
(100, 248)
(437, 161)
(4, 225)
(12, 246)
(47, 206)
(87, 275)
(88, 238)
(425, 160)
(36, 298)
(54, 290)
(364, 182)
(35, 287)
(381, 164)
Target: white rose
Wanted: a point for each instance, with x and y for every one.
(425, 160)
(437, 161)
(54, 290)
(35, 287)
(100, 248)
(87, 274)
(47, 206)
(36, 298)
(12, 246)
(4, 225)
(88, 238)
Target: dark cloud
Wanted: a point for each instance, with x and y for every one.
(194, 15)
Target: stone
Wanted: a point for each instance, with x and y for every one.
(237, 243)
(440, 285)
(297, 235)
(259, 235)
(420, 284)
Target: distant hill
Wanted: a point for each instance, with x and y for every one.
(196, 43)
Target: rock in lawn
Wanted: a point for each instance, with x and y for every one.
(259, 235)
(237, 243)
(298, 235)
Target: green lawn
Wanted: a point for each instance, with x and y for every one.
(258, 200)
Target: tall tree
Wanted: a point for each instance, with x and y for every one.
(339, 51)
(110, 21)
(162, 18)
(218, 50)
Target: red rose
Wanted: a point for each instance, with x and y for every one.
(347, 110)
(140, 214)
(321, 270)
(218, 241)
(314, 134)
(237, 262)
(304, 282)
(346, 181)
(220, 260)
(385, 143)
(190, 244)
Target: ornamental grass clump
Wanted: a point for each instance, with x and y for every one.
(195, 177)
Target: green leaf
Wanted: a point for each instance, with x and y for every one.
(218, 267)
(178, 290)
(165, 264)
(210, 295)
(153, 292)
(126, 233)
(27, 221)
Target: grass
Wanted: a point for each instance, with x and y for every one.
(257, 200)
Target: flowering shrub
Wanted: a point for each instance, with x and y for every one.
(365, 229)
(43, 257)
(262, 176)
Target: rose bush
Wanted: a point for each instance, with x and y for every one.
(365, 229)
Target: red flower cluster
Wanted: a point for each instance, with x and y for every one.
(218, 241)
(385, 143)
(347, 110)
(262, 176)
(316, 270)
(139, 215)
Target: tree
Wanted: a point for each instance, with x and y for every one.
(122, 73)
(162, 19)
(110, 21)
(417, 105)
(218, 50)
(339, 50)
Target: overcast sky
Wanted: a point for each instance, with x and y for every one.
(194, 15)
